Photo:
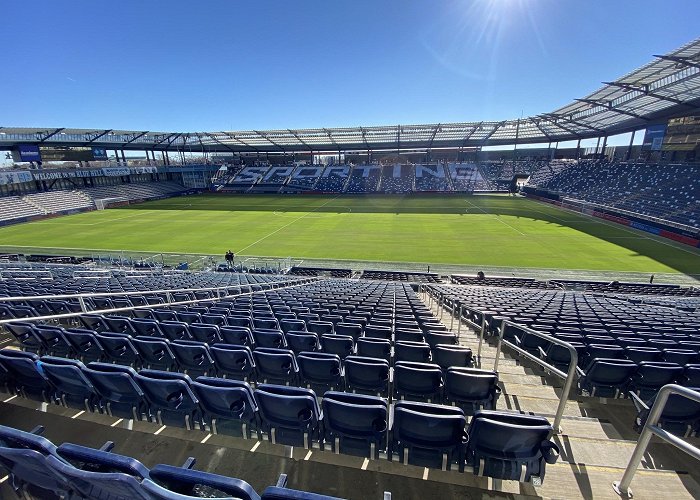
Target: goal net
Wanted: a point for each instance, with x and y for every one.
(103, 203)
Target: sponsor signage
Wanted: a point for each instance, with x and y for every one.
(15, 177)
(116, 171)
(27, 152)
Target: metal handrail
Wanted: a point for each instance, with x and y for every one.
(147, 306)
(143, 292)
(569, 376)
(651, 427)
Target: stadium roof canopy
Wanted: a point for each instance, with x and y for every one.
(667, 87)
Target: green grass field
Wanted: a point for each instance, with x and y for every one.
(468, 230)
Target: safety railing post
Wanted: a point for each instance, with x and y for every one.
(459, 319)
(498, 346)
(453, 312)
(441, 305)
(481, 337)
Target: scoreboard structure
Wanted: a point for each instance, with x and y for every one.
(37, 153)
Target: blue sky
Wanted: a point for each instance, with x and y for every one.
(233, 64)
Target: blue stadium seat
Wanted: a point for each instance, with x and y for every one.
(691, 375)
(233, 361)
(372, 347)
(118, 348)
(118, 324)
(85, 344)
(355, 424)
(214, 319)
(201, 332)
(320, 371)
(155, 352)
(604, 377)
(188, 316)
(193, 357)
(168, 482)
(452, 355)
(299, 341)
(72, 388)
(681, 356)
(378, 331)
(266, 337)
(119, 394)
(236, 319)
(292, 325)
(367, 375)
(228, 406)
(24, 333)
(471, 389)
(236, 335)
(680, 416)
(25, 375)
(281, 492)
(145, 327)
(276, 366)
(289, 415)
(429, 435)
(417, 381)
(53, 340)
(642, 353)
(436, 337)
(340, 345)
(406, 350)
(508, 445)
(93, 322)
(408, 335)
(161, 314)
(170, 398)
(351, 329)
(24, 456)
(651, 376)
(99, 474)
(319, 327)
(265, 324)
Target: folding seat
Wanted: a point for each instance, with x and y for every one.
(332, 318)
(239, 320)
(266, 323)
(428, 435)
(378, 331)
(299, 341)
(531, 343)
(356, 320)
(370, 347)
(319, 327)
(219, 309)
(84, 344)
(24, 375)
(340, 345)
(100, 474)
(663, 343)
(681, 416)
(170, 398)
(355, 424)
(351, 329)
(164, 314)
(26, 336)
(412, 351)
(168, 482)
(101, 303)
(93, 322)
(642, 353)
(691, 375)
(607, 351)
(64, 306)
(19, 312)
(604, 377)
(681, 356)
(509, 445)
(40, 306)
(652, 376)
(276, 366)
(471, 389)
(72, 388)
(367, 375)
(228, 406)
(631, 342)
(141, 326)
(199, 309)
(320, 371)
(233, 361)
(155, 352)
(559, 356)
(23, 455)
(188, 316)
(602, 340)
(292, 325)
(115, 385)
(117, 324)
(267, 337)
(417, 381)
(208, 334)
(174, 330)
(117, 348)
(408, 335)
(289, 415)
(434, 338)
(236, 335)
(452, 355)
(193, 357)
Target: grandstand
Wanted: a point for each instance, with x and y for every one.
(330, 361)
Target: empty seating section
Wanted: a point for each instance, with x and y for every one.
(320, 271)
(16, 207)
(623, 346)
(60, 201)
(322, 363)
(668, 192)
(135, 191)
(364, 179)
(397, 179)
(413, 277)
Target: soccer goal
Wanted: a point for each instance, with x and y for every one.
(103, 203)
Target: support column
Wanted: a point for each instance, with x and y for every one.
(123, 156)
(605, 142)
(629, 148)
(578, 149)
(597, 144)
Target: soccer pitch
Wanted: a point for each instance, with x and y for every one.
(488, 230)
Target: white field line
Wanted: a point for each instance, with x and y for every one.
(285, 226)
(496, 216)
